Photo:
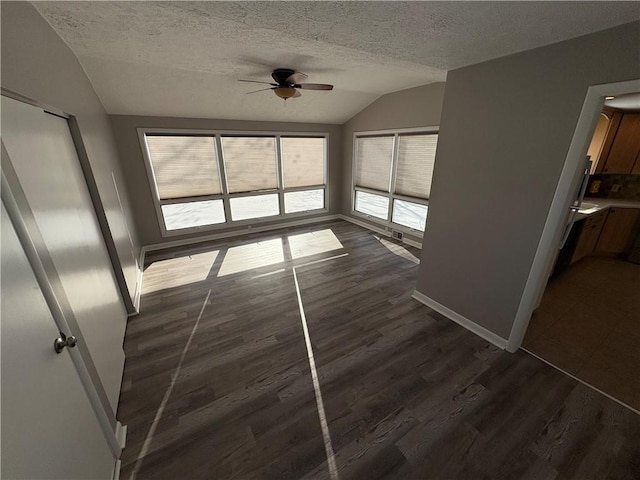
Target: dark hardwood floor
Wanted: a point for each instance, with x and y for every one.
(218, 382)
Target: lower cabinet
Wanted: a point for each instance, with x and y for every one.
(589, 234)
(619, 230)
(608, 232)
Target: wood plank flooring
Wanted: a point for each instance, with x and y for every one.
(222, 388)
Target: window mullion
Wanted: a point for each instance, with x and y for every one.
(223, 180)
(394, 165)
(199, 198)
(354, 173)
(306, 187)
(279, 172)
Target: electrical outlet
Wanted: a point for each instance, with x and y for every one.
(616, 187)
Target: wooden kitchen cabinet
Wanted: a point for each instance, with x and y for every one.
(589, 234)
(618, 230)
(636, 166)
(622, 146)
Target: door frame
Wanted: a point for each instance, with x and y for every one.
(559, 211)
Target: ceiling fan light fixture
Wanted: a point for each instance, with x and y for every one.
(284, 92)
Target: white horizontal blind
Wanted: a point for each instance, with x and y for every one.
(184, 166)
(416, 157)
(250, 163)
(302, 161)
(373, 162)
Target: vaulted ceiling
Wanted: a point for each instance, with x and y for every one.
(184, 58)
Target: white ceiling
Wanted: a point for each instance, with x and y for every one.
(183, 58)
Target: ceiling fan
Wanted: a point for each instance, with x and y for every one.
(287, 83)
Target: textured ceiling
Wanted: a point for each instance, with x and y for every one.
(183, 58)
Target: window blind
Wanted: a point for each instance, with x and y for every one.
(373, 162)
(416, 157)
(250, 163)
(302, 161)
(184, 166)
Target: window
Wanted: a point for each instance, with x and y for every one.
(409, 214)
(371, 204)
(303, 201)
(185, 168)
(258, 206)
(206, 179)
(193, 214)
(302, 161)
(373, 169)
(303, 173)
(250, 163)
(392, 176)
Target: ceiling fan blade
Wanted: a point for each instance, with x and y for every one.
(314, 86)
(297, 77)
(297, 94)
(257, 81)
(261, 90)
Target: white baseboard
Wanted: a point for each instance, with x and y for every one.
(237, 233)
(460, 320)
(121, 434)
(413, 243)
(138, 294)
(116, 470)
(366, 225)
(379, 230)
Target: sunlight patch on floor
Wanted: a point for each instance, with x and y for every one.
(398, 250)
(254, 255)
(312, 243)
(176, 272)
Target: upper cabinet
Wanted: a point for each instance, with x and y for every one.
(621, 149)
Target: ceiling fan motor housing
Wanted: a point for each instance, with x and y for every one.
(280, 75)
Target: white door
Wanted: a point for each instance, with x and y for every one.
(49, 428)
(43, 155)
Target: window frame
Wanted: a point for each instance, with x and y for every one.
(391, 195)
(225, 196)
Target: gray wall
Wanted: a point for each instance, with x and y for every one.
(37, 64)
(505, 132)
(126, 134)
(414, 107)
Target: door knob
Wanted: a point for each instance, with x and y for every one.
(64, 341)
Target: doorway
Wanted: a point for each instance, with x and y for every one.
(585, 320)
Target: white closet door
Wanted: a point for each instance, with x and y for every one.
(43, 155)
(49, 428)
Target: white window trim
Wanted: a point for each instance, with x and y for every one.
(225, 196)
(391, 195)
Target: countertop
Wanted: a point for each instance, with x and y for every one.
(602, 203)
